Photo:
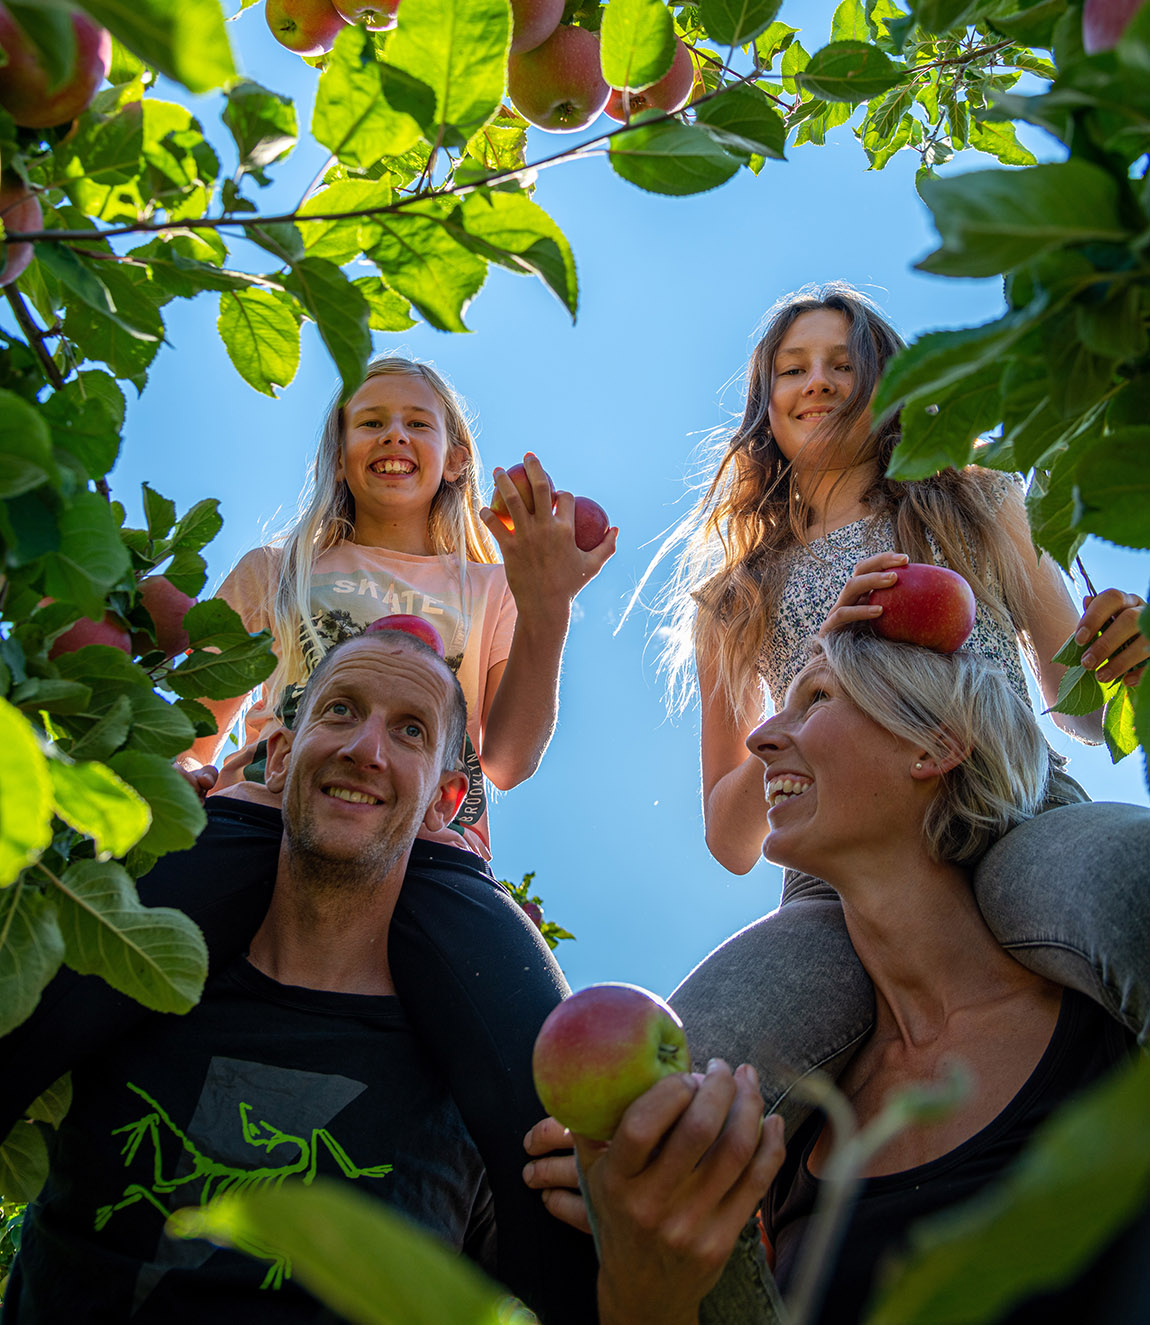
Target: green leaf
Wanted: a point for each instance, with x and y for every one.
(736, 22)
(177, 815)
(108, 733)
(518, 233)
(999, 139)
(342, 241)
(352, 117)
(974, 1262)
(25, 446)
(636, 43)
(186, 41)
(261, 336)
(1118, 724)
(776, 38)
(263, 125)
(849, 22)
(51, 695)
(197, 526)
(31, 950)
(993, 220)
(90, 288)
(387, 311)
(364, 1261)
(159, 512)
(158, 727)
(671, 158)
(420, 260)
(942, 15)
(52, 1105)
(23, 1163)
(1112, 497)
(1116, 327)
(743, 120)
(85, 423)
(340, 313)
(95, 802)
(795, 60)
(224, 675)
(155, 955)
(1079, 693)
(850, 71)
(941, 431)
(214, 623)
(90, 557)
(459, 49)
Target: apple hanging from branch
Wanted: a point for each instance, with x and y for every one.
(26, 91)
(308, 27)
(601, 1049)
(670, 93)
(928, 605)
(19, 211)
(559, 85)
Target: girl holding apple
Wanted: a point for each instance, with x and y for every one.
(799, 504)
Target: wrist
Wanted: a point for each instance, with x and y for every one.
(624, 1308)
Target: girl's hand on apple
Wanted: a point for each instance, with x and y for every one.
(688, 1166)
(555, 1175)
(1110, 626)
(877, 572)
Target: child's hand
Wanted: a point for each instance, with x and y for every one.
(877, 572)
(1110, 626)
(202, 779)
(555, 1175)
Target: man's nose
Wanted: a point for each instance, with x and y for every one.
(366, 746)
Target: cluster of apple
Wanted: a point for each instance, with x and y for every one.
(591, 523)
(162, 601)
(36, 101)
(310, 27)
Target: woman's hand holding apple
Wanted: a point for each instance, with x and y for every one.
(553, 1173)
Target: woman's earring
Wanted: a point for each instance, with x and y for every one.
(918, 763)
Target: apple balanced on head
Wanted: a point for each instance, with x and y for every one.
(928, 605)
(599, 1050)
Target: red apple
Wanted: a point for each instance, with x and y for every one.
(534, 913)
(671, 92)
(1104, 22)
(591, 524)
(601, 1049)
(410, 625)
(308, 27)
(110, 631)
(928, 605)
(167, 606)
(518, 475)
(19, 210)
(376, 17)
(26, 92)
(559, 85)
(532, 22)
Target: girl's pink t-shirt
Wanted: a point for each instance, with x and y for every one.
(351, 587)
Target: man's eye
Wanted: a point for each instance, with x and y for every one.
(339, 708)
(413, 731)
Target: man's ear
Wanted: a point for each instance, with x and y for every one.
(446, 802)
(278, 759)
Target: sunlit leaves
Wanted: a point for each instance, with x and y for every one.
(1113, 489)
(941, 431)
(636, 43)
(670, 157)
(23, 1163)
(849, 71)
(25, 446)
(177, 815)
(992, 220)
(343, 240)
(95, 802)
(26, 798)
(386, 310)
(263, 125)
(352, 118)
(458, 48)
(155, 955)
(421, 260)
(90, 557)
(187, 41)
(261, 335)
(339, 312)
(519, 234)
(735, 22)
(743, 121)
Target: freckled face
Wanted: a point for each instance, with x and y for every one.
(396, 449)
(837, 784)
(812, 377)
(367, 761)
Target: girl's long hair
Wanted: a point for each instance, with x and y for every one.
(327, 516)
(722, 599)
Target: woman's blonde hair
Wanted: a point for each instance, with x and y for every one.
(950, 703)
(722, 598)
(327, 516)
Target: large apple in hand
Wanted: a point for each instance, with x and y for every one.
(591, 524)
(929, 605)
(167, 606)
(601, 1049)
(308, 27)
(423, 630)
(671, 92)
(518, 475)
(1104, 22)
(19, 210)
(26, 91)
(559, 85)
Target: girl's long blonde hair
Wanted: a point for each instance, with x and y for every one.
(327, 516)
(722, 599)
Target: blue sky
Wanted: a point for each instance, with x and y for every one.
(672, 290)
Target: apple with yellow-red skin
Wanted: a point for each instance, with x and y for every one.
(27, 92)
(422, 629)
(518, 475)
(308, 27)
(602, 1048)
(928, 605)
(559, 85)
(19, 211)
(1104, 22)
(670, 93)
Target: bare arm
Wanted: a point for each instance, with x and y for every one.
(734, 801)
(545, 570)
